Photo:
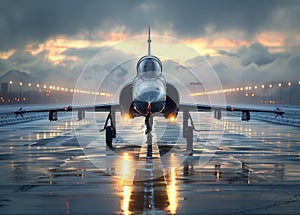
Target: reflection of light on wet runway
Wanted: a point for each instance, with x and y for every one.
(172, 192)
(126, 199)
(35, 167)
(124, 182)
(126, 167)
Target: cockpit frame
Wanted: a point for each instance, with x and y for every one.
(149, 66)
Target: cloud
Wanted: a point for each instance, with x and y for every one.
(24, 21)
(244, 39)
(6, 54)
(230, 54)
(257, 54)
(256, 64)
(21, 22)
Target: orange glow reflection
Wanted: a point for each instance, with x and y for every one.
(125, 183)
(126, 117)
(126, 199)
(172, 192)
(126, 167)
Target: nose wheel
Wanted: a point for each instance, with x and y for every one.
(148, 123)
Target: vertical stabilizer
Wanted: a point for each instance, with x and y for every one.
(149, 41)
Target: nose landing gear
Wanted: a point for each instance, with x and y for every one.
(148, 123)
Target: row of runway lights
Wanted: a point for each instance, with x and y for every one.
(63, 89)
(226, 90)
(241, 89)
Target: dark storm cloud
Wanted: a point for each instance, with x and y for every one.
(257, 54)
(251, 16)
(35, 20)
(294, 63)
(85, 53)
(230, 54)
(255, 64)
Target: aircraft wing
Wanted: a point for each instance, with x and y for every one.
(80, 109)
(218, 110)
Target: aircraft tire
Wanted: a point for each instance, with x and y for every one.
(189, 138)
(109, 136)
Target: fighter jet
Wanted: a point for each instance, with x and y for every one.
(147, 96)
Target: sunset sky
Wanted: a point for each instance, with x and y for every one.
(244, 40)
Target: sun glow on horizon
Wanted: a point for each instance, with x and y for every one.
(7, 54)
(55, 47)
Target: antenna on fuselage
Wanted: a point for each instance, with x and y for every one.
(149, 41)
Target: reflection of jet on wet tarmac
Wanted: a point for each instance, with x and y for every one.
(149, 95)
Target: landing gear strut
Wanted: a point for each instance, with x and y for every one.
(110, 130)
(188, 131)
(148, 123)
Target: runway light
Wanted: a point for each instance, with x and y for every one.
(279, 84)
(290, 84)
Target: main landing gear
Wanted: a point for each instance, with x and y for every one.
(188, 131)
(110, 128)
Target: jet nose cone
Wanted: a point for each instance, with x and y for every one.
(145, 108)
(150, 102)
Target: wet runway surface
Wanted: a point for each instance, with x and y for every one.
(253, 170)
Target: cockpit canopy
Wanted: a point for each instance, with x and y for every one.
(149, 66)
